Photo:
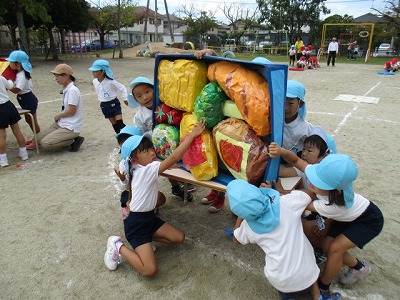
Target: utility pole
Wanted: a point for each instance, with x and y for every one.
(121, 53)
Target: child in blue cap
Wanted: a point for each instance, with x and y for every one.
(9, 116)
(107, 88)
(123, 169)
(19, 61)
(357, 220)
(142, 98)
(142, 226)
(274, 223)
(296, 128)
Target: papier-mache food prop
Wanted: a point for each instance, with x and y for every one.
(6, 71)
(230, 110)
(241, 150)
(201, 156)
(180, 82)
(249, 91)
(209, 104)
(165, 139)
(165, 114)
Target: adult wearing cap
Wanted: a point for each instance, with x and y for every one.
(66, 129)
(333, 49)
(299, 43)
(19, 62)
(107, 88)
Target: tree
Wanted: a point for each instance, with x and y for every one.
(240, 19)
(291, 15)
(199, 24)
(392, 16)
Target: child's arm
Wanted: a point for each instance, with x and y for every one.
(121, 175)
(177, 154)
(275, 151)
(239, 221)
(199, 54)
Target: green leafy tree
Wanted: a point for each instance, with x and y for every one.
(199, 24)
(392, 28)
(291, 15)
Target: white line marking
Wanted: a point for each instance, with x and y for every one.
(59, 99)
(346, 117)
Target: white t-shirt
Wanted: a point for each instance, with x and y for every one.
(144, 187)
(295, 133)
(333, 46)
(144, 119)
(4, 85)
(22, 83)
(72, 96)
(289, 261)
(341, 213)
(107, 89)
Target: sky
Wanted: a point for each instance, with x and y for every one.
(353, 8)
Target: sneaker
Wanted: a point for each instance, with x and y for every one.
(178, 191)
(218, 204)
(23, 155)
(76, 144)
(328, 295)
(112, 257)
(210, 197)
(320, 257)
(31, 146)
(4, 162)
(124, 212)
(352, 275)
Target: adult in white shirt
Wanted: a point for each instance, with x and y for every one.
(333, 49)
(66, 129)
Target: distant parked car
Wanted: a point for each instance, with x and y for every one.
(251, 45)
(88, 46)
(384, 49)
(264, 45)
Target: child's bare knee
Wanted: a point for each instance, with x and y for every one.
(150, 271)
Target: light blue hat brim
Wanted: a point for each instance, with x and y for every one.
(131, 130)
(131, 144)
(21, 57)
(132, 103)
(102, 65)
(260, 207)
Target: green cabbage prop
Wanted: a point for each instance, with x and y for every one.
(165, 139)
(209, 104)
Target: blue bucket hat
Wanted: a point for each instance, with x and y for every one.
(21, 57)
(131, 144)
(329, 141)
(261, 60)
(260, 207)
(131, 130)
(138, 80)
(102, 65)
(336, 171)
(296, 90)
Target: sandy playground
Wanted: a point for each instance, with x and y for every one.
(58, 208)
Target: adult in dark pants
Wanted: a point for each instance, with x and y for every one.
(333, 48)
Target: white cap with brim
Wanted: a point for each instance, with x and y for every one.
(131, 144)
(260, 207)
(335, 171)
(102, 65)
(21, 57)
(132, 103)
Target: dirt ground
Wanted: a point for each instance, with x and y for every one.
(58, 208)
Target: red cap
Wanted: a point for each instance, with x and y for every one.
(302, 48)
(394, 60)
(387, 64)
(309, 47)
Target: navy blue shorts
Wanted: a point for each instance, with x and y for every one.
(111, 108)
(9, 114)
(28, 101)
(293, 295)
(363, 229)
(140, 227)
